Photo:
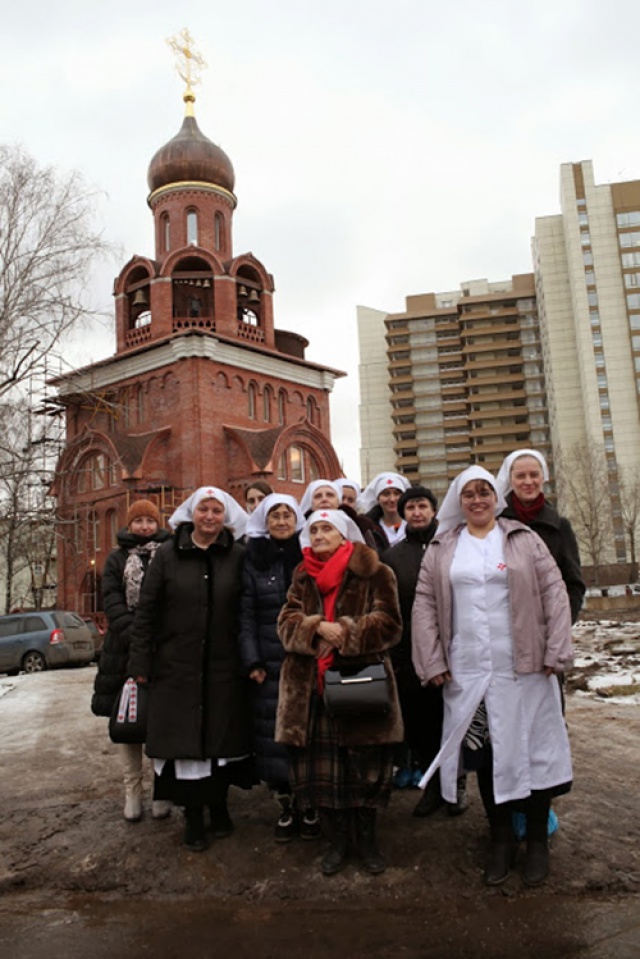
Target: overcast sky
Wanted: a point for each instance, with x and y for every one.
(381, 149)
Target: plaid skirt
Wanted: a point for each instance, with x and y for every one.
(326, 775)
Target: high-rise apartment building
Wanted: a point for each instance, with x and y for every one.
(587, 268)
(457, 378)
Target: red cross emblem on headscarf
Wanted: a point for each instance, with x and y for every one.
(324, 515)
(211, 492)
(389, 482)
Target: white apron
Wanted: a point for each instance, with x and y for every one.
(526, 726)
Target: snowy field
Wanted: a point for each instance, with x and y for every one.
(607, 661)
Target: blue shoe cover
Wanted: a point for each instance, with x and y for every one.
(519, 824)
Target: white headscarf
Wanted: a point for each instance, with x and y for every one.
(504, 476)
(450, 513)
(306, 503)
(234, 516)
(257, 526)
(343, 523)
(382, 481)
(341, 483)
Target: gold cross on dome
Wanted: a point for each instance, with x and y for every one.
(189, 63)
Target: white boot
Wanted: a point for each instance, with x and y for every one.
(131, 755)
(161, 808)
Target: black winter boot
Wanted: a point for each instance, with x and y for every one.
(371, 857)
(194, 833)
(335, 826)
(536, 860)
(286, 827)
(221, 822)
(502, 847)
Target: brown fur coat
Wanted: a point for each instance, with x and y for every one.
(367, 608)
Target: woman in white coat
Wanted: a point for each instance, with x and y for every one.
(491, 623)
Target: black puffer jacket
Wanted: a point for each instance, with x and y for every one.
(557, 534)
(184, 639)
(112, 667)
(268, 567)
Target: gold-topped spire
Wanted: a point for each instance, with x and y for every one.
(188, 66)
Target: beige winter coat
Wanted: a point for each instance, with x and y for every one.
(540, 612)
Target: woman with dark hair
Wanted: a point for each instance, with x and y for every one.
(421, 705)
(185, 645)
(272, 553)
(122, 579)
(492, 625)
(343, 602)
(255, 493)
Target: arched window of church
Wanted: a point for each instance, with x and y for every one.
(140, 404)
(166, 232)
(93, 532)
(282, 466)
(313, 467)
(296, 463)
(252, 395)
(281, 407)
(96, 472)
(192, 226)
(267, 397)
(218, 224)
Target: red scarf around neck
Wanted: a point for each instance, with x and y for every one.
(328, 575)
(526, 512)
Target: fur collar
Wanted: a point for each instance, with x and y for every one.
(364, 561)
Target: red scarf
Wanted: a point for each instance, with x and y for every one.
(328, 575)
(526, 512)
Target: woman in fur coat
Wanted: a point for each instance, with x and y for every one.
(343, 602)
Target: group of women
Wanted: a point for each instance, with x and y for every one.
(240, 616)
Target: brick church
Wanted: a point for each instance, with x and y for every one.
(202, 387)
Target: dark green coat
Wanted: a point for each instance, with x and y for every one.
(184, 640)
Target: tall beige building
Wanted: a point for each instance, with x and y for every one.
(454, 379)
(587, 268)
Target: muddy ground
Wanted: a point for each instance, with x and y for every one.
(76, 879)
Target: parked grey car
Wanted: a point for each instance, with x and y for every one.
(43, 639)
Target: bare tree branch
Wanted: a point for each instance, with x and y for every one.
(48, 245)
(582, 483)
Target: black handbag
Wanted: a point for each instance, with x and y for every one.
(128, 720)
(357, 690)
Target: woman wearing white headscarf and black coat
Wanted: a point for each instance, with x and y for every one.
(520, 481)
(272, 553)
(184, 644)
